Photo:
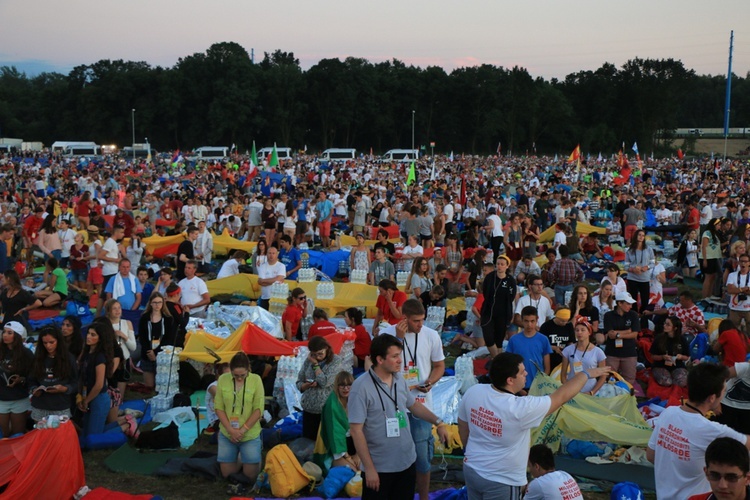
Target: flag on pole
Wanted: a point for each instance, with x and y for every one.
(234, 147)
(412, 177)
(599, 159)
(575, 155)
(148, 157)
(176, 157)
(451, 156)
(273, 161)
(254, 157)
(680, 154)
(499, 148)
(635, 148)
(462, 197)
(432, 175)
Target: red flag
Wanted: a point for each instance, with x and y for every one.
(463, 192)
(680, 154)
(575, 155)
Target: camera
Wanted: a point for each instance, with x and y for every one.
(742, 297)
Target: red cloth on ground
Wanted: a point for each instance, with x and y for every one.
(105, 494)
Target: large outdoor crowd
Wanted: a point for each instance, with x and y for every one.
(465, 226)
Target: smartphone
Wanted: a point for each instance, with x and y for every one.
(310, 381)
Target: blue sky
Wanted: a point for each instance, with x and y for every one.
(549, 38)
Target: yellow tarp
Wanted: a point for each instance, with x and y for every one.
(225, 348)
(346, 294)
(156, 241)
(224, 242)
(351, 241)
(581, 229)
(588, 418)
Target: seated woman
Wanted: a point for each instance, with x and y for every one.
(57, 284)
(334, 446)
(732, 344)
(669, 351)
(583, 356)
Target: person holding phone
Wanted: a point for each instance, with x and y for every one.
(315, 382)
(16, 361)
(53, 379)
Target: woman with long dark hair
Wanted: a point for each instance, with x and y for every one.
(16, 362)
(293, 314)
(83, 209)
(156, 328)
(669, 352)
(581, 304)
(16, 302)
(639, 261)
(49, 239)
(315, 381)
(54, 379)
(260, 255)
(710, 256)
(71, 335)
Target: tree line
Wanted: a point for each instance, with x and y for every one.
(219, 97)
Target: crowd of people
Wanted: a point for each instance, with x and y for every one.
(467, 227)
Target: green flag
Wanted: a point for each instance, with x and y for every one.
(412, 177)
(274, 158)
(254, 157)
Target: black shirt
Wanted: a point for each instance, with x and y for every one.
(558, 335)
(186, 248)
(8, 369)
(628, 321)
(59, 400)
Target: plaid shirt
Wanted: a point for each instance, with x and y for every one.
(565, 272)
(685, 315)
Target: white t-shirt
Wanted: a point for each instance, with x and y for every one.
(497, 225)
(110, 268)
(588, 360)
(265, 271)
(656, 290)
(543, 308)
(192, 292)
(735, 304)
(560, 241)
(679, 440)
(738, 391)
(229, 268)
(429, 349)
(555, 485)
(67, 240)
(500, 432)
(448, 212)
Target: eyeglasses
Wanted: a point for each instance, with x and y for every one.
(157, 302)
(716, 477)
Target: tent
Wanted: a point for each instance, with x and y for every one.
(44, 463)
(248, 338)
(588, 418)
(581, 229)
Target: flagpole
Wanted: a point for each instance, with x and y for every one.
(728, 96)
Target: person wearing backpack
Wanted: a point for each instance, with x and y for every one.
(239, 404)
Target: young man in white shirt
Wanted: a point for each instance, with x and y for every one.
(682, 434)
(270, 272)
(424, 365)
(495, 426)
(738, 288)
(67, 239)
(536, 299)
(548, 483)
(204, 247)
(195, 295)
(109, 257)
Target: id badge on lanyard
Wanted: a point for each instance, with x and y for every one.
(618, 343)
(411, 377)
(234, 422)
(577, 366)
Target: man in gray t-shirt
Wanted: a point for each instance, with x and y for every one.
(379, 426)
(381, 268)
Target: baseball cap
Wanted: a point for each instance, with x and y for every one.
(624, 296)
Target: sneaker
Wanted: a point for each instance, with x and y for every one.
(236, 489)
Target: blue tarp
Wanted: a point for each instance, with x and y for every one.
(327, 262)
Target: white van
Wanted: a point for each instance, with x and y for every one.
(284, 153)
(338, 154)
(63, 146)
(212, 153)
(404, 155)
(81, 149)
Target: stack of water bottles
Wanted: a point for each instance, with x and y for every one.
(325, 290)
(167, 378)
(276, 308)
(464, 368)
(358, 276)
(287, 372)
(347, 351)
(304, 257)
(279, 291)
(435, 318)
(306, 275)
(401, 277)
(471, 318)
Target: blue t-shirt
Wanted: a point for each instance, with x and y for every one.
(301, 210)
(128, 298)
(148, 288)
(532, 349)
(325, 208)
(290, 260)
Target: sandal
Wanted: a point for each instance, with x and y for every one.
(132, 427)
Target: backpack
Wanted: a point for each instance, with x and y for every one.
(699, 346)
(285, 474)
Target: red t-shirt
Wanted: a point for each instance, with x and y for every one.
(83, 209)
(362, 342)
(734, 346)
(399, 298)
(321, 329)
(293, 315)
(479, 302)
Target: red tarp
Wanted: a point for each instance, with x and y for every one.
(44, 463)
(258, 342)
(105, 494)
(392, 231)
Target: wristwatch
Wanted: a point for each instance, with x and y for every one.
(617, 335)
(438, 421)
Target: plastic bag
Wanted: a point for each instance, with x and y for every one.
(354, 487)
(292, 397)
(302, 449)
(177, 415)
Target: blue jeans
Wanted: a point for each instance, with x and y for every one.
(560, 293)
(421, 433)
(94, 420)
(57, 254)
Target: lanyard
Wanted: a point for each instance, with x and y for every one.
(234, 401)
(413, 355)
(506, 391)
(393, 398)
(583, 356)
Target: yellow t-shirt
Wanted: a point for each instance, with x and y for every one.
(241, 404)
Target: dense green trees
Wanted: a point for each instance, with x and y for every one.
(220, 97)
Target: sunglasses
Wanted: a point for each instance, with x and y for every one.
(304, 297)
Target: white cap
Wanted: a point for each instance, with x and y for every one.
(624, 296)
(16, 327)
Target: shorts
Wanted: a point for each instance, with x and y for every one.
(425, 237)
(324, 228)
(711, 267)
(95, 276)
(147, 365)
(18, 406)
(494, 331)
(63, 296)
(424, 443)
(38, 414)
(302, 227)
(249, 451)
(105, 280)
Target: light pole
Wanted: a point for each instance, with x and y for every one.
(132, 119)
(412, 129)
